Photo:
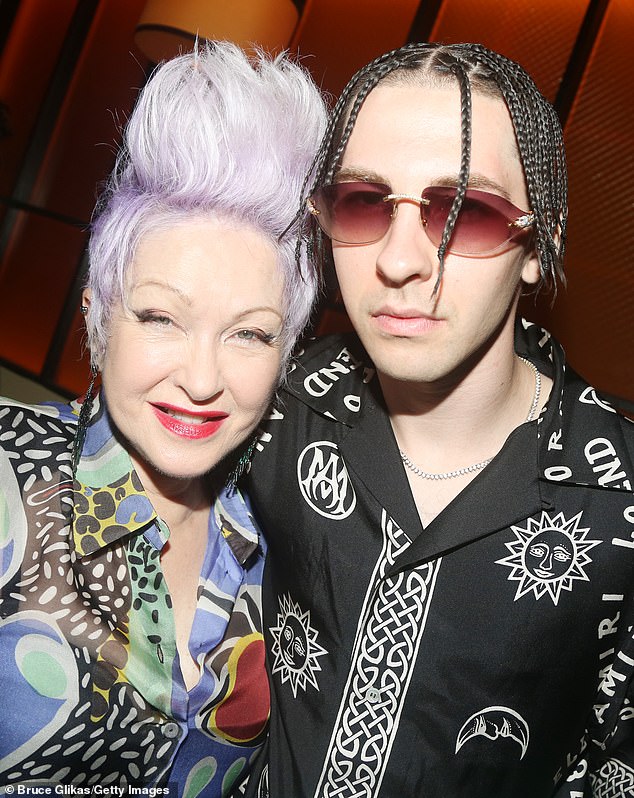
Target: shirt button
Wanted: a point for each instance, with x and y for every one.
(373, 695)
(171, 730)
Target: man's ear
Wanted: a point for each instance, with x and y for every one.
(86, 296)
(531, 272)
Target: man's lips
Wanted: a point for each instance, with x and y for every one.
(404, 321)
(187, 424)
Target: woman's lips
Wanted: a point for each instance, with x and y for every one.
(185, 424)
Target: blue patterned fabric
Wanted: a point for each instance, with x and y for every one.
(91, 690)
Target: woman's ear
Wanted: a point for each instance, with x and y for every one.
(86, 296)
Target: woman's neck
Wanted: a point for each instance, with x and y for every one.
(176, 501)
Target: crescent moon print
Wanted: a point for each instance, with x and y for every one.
(495, 723)
(548, 556)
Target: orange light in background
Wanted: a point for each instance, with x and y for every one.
(594, 315)
(41, 253)
(167, 28)
(538, 34)
(334, 39)
(19, 69)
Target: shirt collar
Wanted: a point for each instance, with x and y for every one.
(581, 437)
(109, 500)
(234, 519)
(332, 377)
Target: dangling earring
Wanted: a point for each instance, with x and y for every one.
(241, 466)
(84, 418)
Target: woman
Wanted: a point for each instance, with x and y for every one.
(131, 650)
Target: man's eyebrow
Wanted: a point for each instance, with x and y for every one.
(476, 180)
(354, 173)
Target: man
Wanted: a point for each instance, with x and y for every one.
(449, 508)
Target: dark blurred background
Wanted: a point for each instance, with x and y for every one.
(70, 71)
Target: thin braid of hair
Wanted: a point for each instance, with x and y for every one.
(326, 161)
(546, 221)
(367, 78)
(315, 242)
(375, 76)
(536, 126)
(540, 145)
(516, 102)
(523, 110)
(315, 174)
(542, 154)
(541, 150)
(324, 154)
(556, 167)
(465, 162)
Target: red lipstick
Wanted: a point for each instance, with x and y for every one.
(208, 425)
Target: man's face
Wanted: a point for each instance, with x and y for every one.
(409, 138)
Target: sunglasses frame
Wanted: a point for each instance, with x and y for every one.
(517, 220)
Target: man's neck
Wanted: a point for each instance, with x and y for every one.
(454, 430)
(448, 425)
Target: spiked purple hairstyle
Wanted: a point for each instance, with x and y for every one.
(213, 133)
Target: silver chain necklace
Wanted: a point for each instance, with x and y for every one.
(477, 466)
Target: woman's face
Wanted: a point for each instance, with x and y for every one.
(193, 356)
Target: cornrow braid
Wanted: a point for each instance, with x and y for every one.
(540, 144)
(347, 109)
(465, 161)
(475, 68)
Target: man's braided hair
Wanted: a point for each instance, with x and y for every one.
(475, 68)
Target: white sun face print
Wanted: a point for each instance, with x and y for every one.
(548, 555)
(295, 647)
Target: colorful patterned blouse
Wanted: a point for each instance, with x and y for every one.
(91, 692)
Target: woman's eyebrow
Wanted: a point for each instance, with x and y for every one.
(152, 282)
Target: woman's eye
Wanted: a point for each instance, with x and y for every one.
(150, 317)
(256, 336)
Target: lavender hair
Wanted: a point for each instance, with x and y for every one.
(213, 133)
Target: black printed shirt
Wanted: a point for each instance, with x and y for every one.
(488, 655)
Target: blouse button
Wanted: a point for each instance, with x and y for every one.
(373, 695)
(171, 730)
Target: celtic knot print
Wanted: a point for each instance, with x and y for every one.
(614, 780)
(380, 673)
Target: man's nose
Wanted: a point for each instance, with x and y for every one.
(406, 252)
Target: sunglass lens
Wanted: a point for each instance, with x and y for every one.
(353, 213)
(480, 228)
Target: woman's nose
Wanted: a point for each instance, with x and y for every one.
(200, 372)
